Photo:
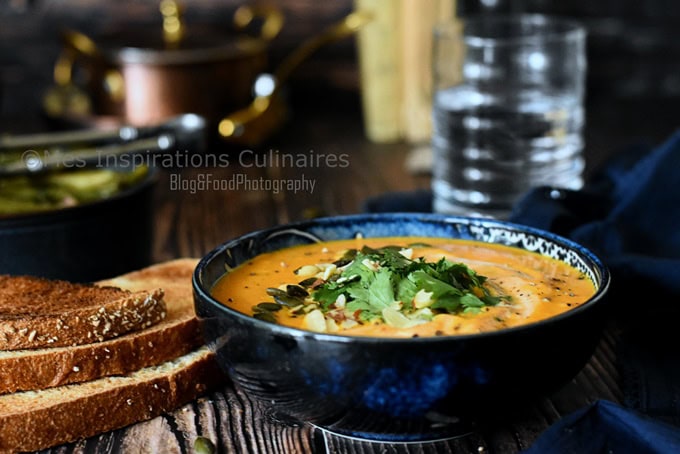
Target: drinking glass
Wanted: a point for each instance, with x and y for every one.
(508, 110)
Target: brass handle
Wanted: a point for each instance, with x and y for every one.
(77, 45)
(346, 27)
(237, 124)
(173, 25)
(271, 16)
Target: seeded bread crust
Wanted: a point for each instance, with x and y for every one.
(39, 313)
(35, 420)
(176, 335)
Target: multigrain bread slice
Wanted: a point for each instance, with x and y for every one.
(39, 313)
(31, 421)
(176, 335)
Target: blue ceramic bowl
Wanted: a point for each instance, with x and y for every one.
(398, 389)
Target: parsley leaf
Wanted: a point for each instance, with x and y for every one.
(376, 292)
(372, 280)
(328, 293)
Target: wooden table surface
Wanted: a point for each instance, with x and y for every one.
(190, 224)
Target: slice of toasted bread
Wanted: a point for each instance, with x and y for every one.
(34, 420)
(176, 335)
(38, 313)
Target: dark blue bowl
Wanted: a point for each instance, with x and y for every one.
(398, 389)
(83, 243)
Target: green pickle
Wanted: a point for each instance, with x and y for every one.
(27, 194)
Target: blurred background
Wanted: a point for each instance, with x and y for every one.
(633, 53)
(29, 38)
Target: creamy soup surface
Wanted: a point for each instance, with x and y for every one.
(528, 287)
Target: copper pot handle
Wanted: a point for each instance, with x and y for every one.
(271, 16)
(242, 124)
(75, 46)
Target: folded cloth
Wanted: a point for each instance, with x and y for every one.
(628, 213)
(605, 427)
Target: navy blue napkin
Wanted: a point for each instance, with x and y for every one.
(629, 214)
(605, 427)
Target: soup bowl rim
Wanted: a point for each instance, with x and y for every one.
(203, 295)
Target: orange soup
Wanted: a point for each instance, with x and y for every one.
(403, 287)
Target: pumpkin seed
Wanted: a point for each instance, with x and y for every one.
(315, 321)
(348, 279)
(307, 270)
(283, 298)
(342, 262)
(346, 258)
(367, 250)
(407, 253)
(265, 316)
(270, 307)
(203, 445)
(296, 291)
(397, 319)
(308, 282)
(329, 271)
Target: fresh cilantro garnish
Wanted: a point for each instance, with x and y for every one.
(372, 294)
(387, 278)
(387, 285)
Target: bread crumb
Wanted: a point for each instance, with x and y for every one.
(32, 336)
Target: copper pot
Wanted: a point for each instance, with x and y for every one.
(141, 78)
